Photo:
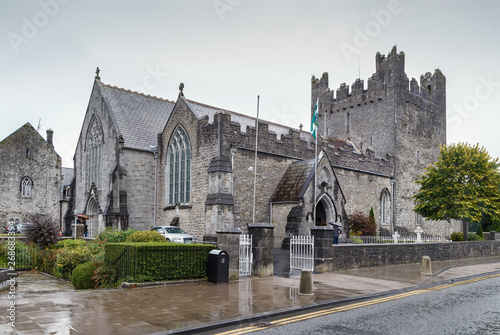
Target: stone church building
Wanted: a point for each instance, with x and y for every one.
(143, 161)
(31, 176)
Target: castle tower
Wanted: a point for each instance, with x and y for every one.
(392, 115)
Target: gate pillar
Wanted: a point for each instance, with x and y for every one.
(229, 241)
(323, 248)
(262, 248)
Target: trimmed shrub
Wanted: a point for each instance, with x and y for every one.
(42, 230)
(146, 236)
(114, 235)
(69, 243)
(157, 260)
(82, 276)
(457, 236)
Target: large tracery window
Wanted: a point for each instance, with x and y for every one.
(95, 139)
(26, 185)
(178, 168)
(385, 207)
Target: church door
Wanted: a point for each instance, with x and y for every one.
(320, 214)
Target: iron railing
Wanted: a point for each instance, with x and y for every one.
(366, 239)
(154, 263)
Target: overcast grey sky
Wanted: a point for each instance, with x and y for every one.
(227, 52)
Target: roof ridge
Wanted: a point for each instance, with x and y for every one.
(138, 93)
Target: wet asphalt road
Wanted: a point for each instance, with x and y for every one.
(472, 308)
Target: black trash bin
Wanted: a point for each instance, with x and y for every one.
(218, 266)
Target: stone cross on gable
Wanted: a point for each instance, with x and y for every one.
(396, 236)
(419, 232)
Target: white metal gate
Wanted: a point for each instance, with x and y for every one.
(246, 255)
(301, 253)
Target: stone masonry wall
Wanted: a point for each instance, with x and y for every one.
(361, 256)
(363, 191)
(270, 170)
(204, 147)
(139, 179)
(393, 115)
(108, 158)
(26, 153)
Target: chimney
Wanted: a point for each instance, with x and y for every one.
(50, 135)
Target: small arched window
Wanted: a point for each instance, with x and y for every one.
(385, 207)
(178, 168)
(26, 186)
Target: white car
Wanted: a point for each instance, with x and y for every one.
(174, 234)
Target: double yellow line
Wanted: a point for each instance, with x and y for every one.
(312, 315)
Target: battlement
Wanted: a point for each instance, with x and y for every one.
(300, 145)
(389, 80)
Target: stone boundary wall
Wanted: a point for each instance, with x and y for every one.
(361, 256)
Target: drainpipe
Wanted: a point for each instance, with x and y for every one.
(393, 186)
(155, 155)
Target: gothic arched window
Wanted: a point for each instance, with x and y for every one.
(385, 207)
(178, 168)
(26, 185)
(95, 139)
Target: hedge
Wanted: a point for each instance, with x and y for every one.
(156, 261)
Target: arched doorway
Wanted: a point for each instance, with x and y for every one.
(325, 211)
(92, 211)
(320, 214)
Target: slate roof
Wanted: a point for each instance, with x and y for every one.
(294, 182)
(139, 118)
(67, 175)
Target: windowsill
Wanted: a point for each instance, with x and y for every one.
(180, 206)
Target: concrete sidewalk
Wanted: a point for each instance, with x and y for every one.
(191, 307)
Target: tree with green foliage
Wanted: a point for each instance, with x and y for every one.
(462, 185)
(371, 221)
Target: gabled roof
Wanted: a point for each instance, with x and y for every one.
(294, 182)
(32, 130)
(139, 118)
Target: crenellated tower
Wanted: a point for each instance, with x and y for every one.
(393, 115)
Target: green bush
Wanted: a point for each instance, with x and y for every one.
(457, 236)
(114, 235)
(146, 236)
(474, 237)
(157, 260)
(82, 276)
(356, 239)
(69, 258)
(479, 231)
(45, 260)
(42, 230)
(104, 275)
(70, 243)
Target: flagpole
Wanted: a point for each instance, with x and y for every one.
(314, 129)
(255, 164)
(315, 168)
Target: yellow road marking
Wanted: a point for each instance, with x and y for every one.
(316, 314)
